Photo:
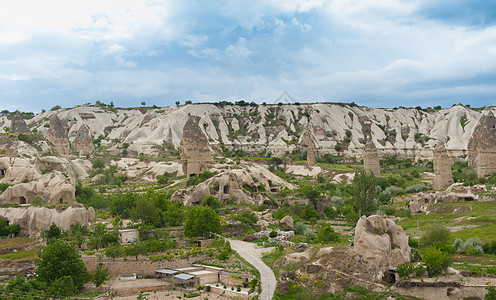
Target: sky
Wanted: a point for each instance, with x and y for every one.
(382, 53)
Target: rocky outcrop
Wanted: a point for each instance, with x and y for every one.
(381, 242)
(18, 125)
(287, 223)
(200, 191)
(33, 219)
(442, 167)
(420, 202)
(15, 170)
(57, 135)
(403, 133)
(194, 148)
(52, 188)
(310, 147)
(371, 159)
(82, 142)
(482, 146)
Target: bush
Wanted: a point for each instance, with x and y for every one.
(436, 261)
(489, 248)
(471, 246)
(309, 213)
(405, 270)
(300, 228)
(327, 235)
(309, 235)
(273, 234)
(193, 180)
(388, 209)
(247, 217)
(212, 202)
(420, 187)
(491, 294)
(436, 235)
(330, 212)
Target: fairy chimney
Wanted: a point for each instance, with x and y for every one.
(371, 158)
(442, 167)
(57, 135)
(309, 144)
(18, 125)
(194, 148)
(82, 142)
(482, 146)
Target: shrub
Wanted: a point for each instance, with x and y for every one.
(388, 209)
(471, 246)
(491, 294)
(193, 180)
(489, 248)
(300, 228)
(436, 261)
(309, 213)
(420, 187)
(405, 270)
(330, 212)
(309, 235)
(326, 234)
(273, 234)
(212, 202)
(247, 217)
(436, 234)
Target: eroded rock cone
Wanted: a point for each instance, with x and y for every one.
(371, 159)
(482, 146)
(442, 167)
(57, 135)
(83, 143)
(18, 125)
(194, 148)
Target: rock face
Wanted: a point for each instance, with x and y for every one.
(18, 125)
(420, 202)
(199, 193)
(57, 135)
(482, 146)
(442, 167)
(52, 188)
(194, 148)
(82, 142)
(381, 242)
(371, 158)
(33, 219)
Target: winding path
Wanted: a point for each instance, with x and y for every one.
(252, 255)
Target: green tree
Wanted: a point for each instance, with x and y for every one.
(326, 234)
(54, 232)
(143, 103)
(113, 251)
(99, 163)
(145, 211)
(212, 202)
(55, 108)
(436, 260)
(364, 193)
(135, 249)
(63, 286)
(100, 275)
(177, 102)
(60, 259)
(202, 221)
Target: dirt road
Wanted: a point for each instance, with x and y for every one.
(252, 254)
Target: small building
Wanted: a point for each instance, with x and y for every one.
(127, 236)
(185, 280)
(165, 273)
(203, 277)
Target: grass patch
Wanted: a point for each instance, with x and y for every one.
(19, 255)
(480, 215)
(15, 242)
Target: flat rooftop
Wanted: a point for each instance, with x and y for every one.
(203, 272)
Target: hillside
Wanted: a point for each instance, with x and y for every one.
(275, 129)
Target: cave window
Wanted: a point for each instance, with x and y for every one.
(390, 276)
(2, 172)
(22, 200)
(426, 201)
(61, 200)
(226, 189)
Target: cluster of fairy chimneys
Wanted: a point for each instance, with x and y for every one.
(481, 154)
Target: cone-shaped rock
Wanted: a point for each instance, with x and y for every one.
(442, 167)
(194, 148)
(18, 125)
(57, 135)
(308, 142)
(482, 146)
(371, 158)
(83, 143)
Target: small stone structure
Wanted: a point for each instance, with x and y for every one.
(82, 142)
(442, 167)
(57, 135)
(127, 236)
(482, 146)
(18, 125)
(371, 158)
(194, 148)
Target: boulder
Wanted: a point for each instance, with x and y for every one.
(381, 242)
(287, 222)
(199, 193)
(268, 217)
(91, 214)
(249, 238)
